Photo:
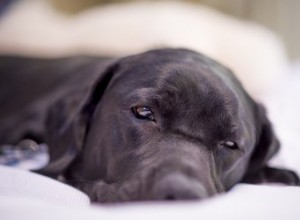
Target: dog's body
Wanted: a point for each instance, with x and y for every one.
(166, 124)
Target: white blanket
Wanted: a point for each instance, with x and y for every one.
(25, 195)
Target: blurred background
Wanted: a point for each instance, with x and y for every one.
(257, 39)
(280, 16)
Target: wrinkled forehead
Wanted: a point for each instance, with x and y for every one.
(177, 71)
(197, 98)
(194, 83)
(147, 67)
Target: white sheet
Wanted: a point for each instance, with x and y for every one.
(283, 105)
(18, 183)
(244, 202)
(24, 195)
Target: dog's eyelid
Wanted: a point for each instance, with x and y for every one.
(230, 145)
(143, 112)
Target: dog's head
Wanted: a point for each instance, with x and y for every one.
(165, 124)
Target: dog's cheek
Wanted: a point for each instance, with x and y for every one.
(230, 167)
(225, 159)
(122, 142)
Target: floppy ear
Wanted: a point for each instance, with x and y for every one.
(266, 147)
(68, 121)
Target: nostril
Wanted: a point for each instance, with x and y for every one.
(170, 197)
(176, 186)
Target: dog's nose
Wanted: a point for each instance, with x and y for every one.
(176, 186)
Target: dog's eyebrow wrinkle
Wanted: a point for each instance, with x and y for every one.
(144, 95)
(194, 138)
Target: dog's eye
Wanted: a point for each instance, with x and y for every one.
(230, 144)
(143, 112)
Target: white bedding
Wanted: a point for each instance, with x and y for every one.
(25, 195)
(283, 105)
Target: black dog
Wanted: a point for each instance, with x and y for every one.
(167, 124)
